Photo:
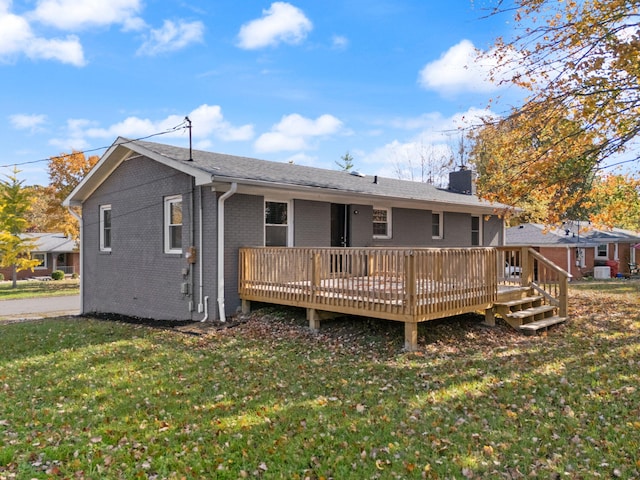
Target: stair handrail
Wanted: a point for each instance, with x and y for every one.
(564, 277)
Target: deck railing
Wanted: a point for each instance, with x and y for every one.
(526, 267)
(406, 284)
(67, 269)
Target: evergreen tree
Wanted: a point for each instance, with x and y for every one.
(347, 162)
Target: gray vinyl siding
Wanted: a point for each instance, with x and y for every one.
(136, 278)
(312, 224)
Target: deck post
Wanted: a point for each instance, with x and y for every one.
(411, 336)
(410, 284)
(316, 262)
(246, 307)
(490, 317)
(314, 319)
(527, 267)
(563, 297)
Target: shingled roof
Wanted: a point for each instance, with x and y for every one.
(540, 235)
(52, 242)
(212, 168)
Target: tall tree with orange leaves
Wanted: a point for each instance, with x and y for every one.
(65, 172)
(579, 62)
(615, 200)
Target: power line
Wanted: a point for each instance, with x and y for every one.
(182, 125)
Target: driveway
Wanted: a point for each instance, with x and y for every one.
(43, 307)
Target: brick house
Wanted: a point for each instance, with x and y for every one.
(577, 247)
(55, 252)
(161, 226)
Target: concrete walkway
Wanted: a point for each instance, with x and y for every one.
(43, 307)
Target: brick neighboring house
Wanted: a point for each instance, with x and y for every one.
(161, 231)
(55, 252)
(577, 247)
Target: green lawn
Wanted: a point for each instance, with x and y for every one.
(83, 398)
(35, 288)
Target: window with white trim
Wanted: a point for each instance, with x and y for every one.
(105, 228)
(602, 251)
(276, 223)
(42, 257)
(381, 222)
(436, 225)
(476, 231)
(173, 224)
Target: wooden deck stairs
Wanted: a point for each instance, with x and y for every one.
(526, 309)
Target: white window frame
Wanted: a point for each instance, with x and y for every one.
(168, 203)
(103, 246)
(581, 257)
(388, 223)
(440, 235)
(288, 225)
(479, 217)
(597, 251)
(35, 255)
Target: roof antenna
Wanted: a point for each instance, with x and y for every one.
(186, 119)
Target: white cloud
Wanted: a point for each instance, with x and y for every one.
(65, 51)
(82, 14)
(17, 38)
(462, 68)
(435, 142)
(75, 136)
(207, 121)
(294, 132)
(172, 37)
(302, 159)
(282, 22)
(27, 122)
(339, 42)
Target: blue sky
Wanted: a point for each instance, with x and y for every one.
(302, 80)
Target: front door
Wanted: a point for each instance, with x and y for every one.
(339, 225)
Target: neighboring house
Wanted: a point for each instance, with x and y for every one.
(161, 232)
(55, 252)
(577, 247)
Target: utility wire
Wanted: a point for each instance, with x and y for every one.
(182, 125)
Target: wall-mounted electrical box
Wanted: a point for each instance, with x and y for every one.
(184, 288)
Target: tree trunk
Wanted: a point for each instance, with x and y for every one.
(14, 276)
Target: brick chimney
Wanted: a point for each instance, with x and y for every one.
(462, 181)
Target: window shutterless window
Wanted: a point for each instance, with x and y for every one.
(276, 224)
(42, 257)
(436, 225)
(105, 228)
(381, 223)
(602, 251)
(476, 231)
(173, 224)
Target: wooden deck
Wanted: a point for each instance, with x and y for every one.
(410, 285)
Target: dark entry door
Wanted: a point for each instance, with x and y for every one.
(339, 225)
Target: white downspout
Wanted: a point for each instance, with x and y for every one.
(221, 200)
(200, 255)
(81, 222)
